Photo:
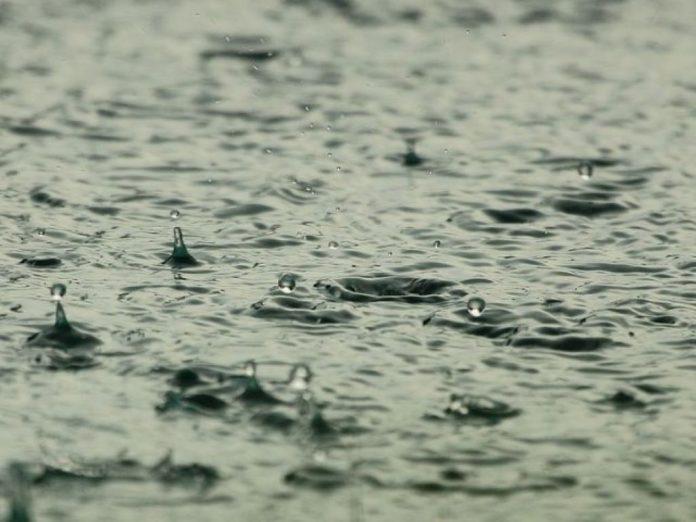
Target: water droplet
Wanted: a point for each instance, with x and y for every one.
(58, 291)
(585, 170)
(329, 154)
(306, 108)
(228, 39)
(446, 151)
(338, 169)
(333, 245)
(250, 369)
(174, 215)
(41, 231)
(456, 405)
(437, 243)
(475, 306)
(287, 283)
(300, 375)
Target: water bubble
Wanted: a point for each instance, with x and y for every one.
(58, 291)
(333, 245)
(585, 169)
(287, 283)
(475, 306)
(250, 369)
(437, 243)
(174, 215)
(300, 375)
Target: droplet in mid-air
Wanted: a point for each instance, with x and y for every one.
(333, 245)
(437, 243)
(287, 283)
(475, 306)
(174, 215)
(300, 375)
(58, 291)
(585, 170)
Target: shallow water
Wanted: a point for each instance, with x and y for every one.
(395, 160)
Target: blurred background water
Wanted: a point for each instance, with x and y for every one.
(351, 178)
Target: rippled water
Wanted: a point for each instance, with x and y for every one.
(350, 177)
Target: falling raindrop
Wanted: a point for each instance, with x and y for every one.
(437, 243)
(333, 245)
(174, 215)
(475, 306)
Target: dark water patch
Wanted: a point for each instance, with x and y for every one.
(252, 55)
(539, 16)
(591, 209)
(571, 162)
(32, 132)
(104, 211)
(301, 311)
(250, 209)
(514, 216)
(123, 468)
(317, 477)
(617, 268)
(471, 17)
(43, 198)
(41, 262)
(385, 288)
(565, 343)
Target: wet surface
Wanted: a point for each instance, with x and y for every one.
(475, 225)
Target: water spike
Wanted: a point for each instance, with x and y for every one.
(61, 335)
(61, 318)
(411, 157)
(18, 491)
(253, 391)
(180, 255)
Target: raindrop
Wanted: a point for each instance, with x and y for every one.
(250, 369)
(287, 283)
(41, 231)
(174, 215)
(333, 245)
(300, 375)
(585, 170)
(475, 306)
(437, 243)
(58, 291)
(338, 169)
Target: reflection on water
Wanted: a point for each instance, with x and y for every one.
(438, 257)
